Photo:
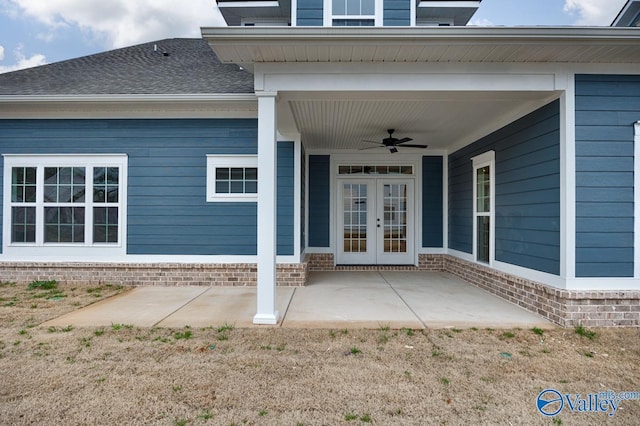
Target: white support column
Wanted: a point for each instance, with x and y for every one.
(267, 144)
(566, 82)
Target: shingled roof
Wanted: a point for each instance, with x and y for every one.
(171, 66)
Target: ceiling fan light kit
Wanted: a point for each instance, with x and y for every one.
(392, 143)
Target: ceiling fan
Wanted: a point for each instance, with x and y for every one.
(392, 143)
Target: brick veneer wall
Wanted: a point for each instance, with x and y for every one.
(160, 274)
(325, 262)
(567, 308)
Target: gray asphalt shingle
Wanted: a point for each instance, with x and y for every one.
(177, 66)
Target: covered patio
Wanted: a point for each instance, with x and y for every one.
(345, 299)
(334, 91)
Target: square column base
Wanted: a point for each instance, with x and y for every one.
(266, 319)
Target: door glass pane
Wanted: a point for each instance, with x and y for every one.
(483, 238)
(395, 218)
(355, 217)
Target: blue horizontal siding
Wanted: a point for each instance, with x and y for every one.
(527, 182)
(319, 200)
(432, 220)
(607, 106)
(310, 13)
(396, 13)
(285, 195)
(167, 212)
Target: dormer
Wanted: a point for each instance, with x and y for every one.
(445, 13)
(250, 13)
(333, 13)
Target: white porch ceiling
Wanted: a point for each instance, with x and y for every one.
(443, 120)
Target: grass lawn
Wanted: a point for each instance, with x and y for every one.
(223, 375)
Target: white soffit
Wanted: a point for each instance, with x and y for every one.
(441, 120)
(426, 44)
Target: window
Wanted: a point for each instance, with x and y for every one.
(355, 170)
(357, 13)
(483, 194)
(74, 200)
(232, 178)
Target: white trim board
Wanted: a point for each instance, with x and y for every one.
(636, 198)
(147, 259)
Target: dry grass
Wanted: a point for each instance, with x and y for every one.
(222, 375)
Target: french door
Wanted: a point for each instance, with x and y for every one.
(375, 222)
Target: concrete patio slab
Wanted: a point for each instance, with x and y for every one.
(348, 300)
(345, 299)
(443, 300)
(220, 305)
(142, 307)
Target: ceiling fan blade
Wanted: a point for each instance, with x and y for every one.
(414, 146)
(371, 147)
(364, 140)
(403, 140)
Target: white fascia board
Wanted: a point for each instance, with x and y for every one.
(458, 4)
(248, 4)
(414, 35)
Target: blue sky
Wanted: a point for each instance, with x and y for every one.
(36, 32)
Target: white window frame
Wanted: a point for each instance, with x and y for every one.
(86, 248)
(226, 161)
(377, 17)
(480, 161)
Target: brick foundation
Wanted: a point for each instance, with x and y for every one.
(151, 274)
(567, 308)
(325, 262)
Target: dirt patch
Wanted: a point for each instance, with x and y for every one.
(224, 375)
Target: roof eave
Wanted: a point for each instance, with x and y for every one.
(417, 34)
(255, 41)
(128, 106)
(128, 98)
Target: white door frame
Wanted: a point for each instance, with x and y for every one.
(374, 254)
(407, 158)
(367, 257)
(406, 258)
